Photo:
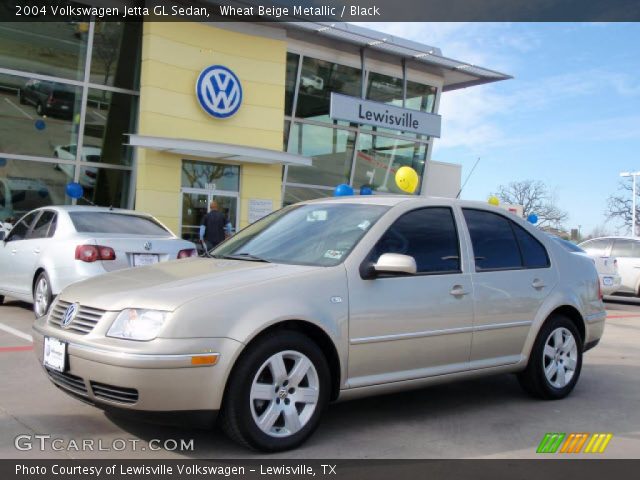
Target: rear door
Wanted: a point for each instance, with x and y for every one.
(627, 252)
(512, 278)
(31, 247)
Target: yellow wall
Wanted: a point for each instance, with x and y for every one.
(173, 54)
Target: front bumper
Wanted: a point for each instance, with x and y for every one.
(145, 382)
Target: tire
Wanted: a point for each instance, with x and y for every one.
(1, 299)
(41, 295)
(256, 392)
(558, 348)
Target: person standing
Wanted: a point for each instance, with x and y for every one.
(212, 226)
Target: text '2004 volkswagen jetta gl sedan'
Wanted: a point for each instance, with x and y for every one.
(326, 300)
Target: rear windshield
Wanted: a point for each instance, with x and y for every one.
(111, 222)
(572, 247)
(63, 95)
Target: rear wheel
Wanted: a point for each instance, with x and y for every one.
(41, 295)
(276, 393)
(555, 361)
(1, 299)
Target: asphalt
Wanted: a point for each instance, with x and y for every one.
(484, 418)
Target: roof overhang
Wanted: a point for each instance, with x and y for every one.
(217, 151)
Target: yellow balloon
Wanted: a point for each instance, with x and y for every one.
(407, 179)
(493, 200)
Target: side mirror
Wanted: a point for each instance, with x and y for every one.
(395, 263)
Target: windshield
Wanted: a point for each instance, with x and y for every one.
(314, 234)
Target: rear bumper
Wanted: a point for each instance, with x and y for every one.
(594, 328)
(610, 283)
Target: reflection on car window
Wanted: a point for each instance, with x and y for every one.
(19, 232)
(596, 247)
(112, 222)
(320, 234)
(494, 244)
(625, 248)
(43, 225)
(428, 235)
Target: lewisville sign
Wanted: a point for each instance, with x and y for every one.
(358, 110)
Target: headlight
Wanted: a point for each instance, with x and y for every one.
(137, 324)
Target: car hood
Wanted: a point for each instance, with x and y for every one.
(166, 286)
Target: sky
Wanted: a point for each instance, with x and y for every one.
(570, 117)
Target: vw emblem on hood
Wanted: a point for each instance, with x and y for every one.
(148, 245)
(219, 91)
(69, 314)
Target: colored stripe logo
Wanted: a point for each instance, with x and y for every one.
(555, 442)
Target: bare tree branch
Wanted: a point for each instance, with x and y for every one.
(534, 197)
(619, 205)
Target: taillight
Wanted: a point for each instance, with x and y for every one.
(186, 253)
(92, 253)
(599, 290)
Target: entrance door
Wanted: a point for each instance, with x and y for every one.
(195, 205)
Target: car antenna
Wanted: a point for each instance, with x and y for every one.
(468, 177)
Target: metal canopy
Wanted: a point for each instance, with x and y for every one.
(456, 74)
(218, 151)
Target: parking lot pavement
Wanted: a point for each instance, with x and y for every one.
(485, 418)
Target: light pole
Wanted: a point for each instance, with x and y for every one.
(633, 175)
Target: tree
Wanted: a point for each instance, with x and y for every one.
(619, 205)
(534, 197)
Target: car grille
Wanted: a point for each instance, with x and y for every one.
(84, 321)
(115, 394)
(68, 381)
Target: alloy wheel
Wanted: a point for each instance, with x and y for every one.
(560, 357)
(41, 300)
(284, 393)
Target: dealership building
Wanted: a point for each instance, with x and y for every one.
(165, 117)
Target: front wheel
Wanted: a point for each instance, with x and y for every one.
(41, 295)
(555, 361)
(276, 393)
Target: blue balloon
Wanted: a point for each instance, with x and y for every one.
(74, 190)
(365, 190)
(40, 124)
(343, 190)
(532, 218)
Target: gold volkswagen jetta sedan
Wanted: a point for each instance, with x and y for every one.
(326, 300)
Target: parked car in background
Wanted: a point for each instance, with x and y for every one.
(20, 195)
(88, 174)
(53, 247)
(607, 267)
(49, 98)
(334, 298)
(626, 251)
(311, 83)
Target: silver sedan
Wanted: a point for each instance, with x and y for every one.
(53, 247)
(326, 300)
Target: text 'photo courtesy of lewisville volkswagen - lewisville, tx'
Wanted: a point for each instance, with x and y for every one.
(319, 239)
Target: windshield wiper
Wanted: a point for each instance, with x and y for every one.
(244, 256)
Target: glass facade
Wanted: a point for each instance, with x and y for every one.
(69, 95)
(359, 155)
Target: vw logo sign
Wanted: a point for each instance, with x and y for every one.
(147, 246)
(219, 91)
(69, 315)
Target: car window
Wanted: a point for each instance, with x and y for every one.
(494, 243)
(534, 255)
(429, 235)
(625, 248)
(43, 226)
(20, 231)
(112, 222)
(597, 247)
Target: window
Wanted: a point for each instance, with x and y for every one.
(106, 222)
(385, 89)
(45, 226)
(597, 247)
(19, 232)
(625, 248)
(115, 54)
(211, 176)
(290, 82)
(420, 97)
(428, 235)
(500, 244)
(533, 252)
(494, 244)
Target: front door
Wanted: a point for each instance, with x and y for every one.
(195, 205)
(403, 327)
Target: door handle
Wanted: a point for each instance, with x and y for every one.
(36, 251)
(14, 251)
(458, 291)
(538, 284)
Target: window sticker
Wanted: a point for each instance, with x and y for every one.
(334, 254)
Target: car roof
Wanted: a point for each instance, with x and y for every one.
(91, 209)
(393, 200)
(614, 237)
